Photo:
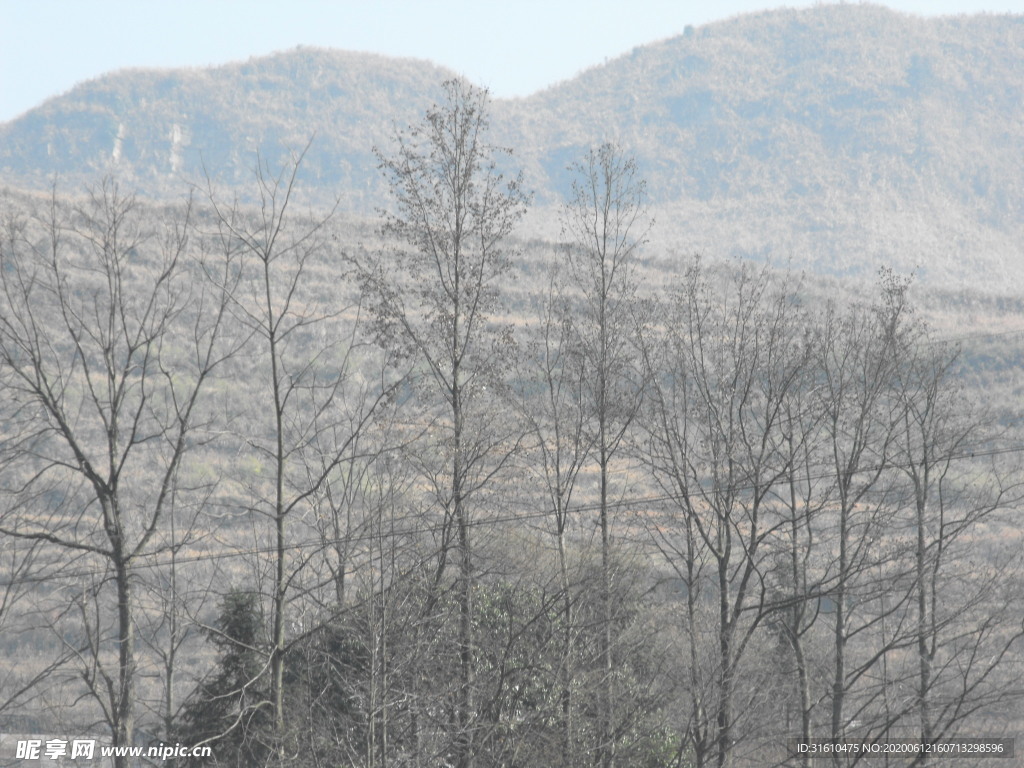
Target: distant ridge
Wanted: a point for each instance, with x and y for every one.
(159, 129)
(836, 137)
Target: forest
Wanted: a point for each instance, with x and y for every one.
(443, 494)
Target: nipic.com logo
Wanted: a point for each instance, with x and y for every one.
(87, 749)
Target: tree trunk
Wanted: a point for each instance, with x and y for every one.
(124, 732)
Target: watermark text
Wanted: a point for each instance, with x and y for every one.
(87, 749)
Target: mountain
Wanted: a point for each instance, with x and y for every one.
(832, 135)
(836, 137)
(162, 129)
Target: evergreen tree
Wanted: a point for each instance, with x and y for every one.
(231, 709)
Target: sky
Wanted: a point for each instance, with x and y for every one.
(513, 48)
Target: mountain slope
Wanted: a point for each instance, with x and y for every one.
(827, 134)
(157, 128)
(838, 137)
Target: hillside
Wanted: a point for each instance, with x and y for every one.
(161, 129)
(836, 138)
(838, 133)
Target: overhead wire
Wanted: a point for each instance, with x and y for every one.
(147, 562)
(625, 503)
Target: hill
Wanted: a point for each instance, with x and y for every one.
(162, 129)
(837, 137)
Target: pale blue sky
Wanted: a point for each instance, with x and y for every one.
(514, 47)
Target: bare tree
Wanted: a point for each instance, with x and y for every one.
(556, 407)
(963, 626)
(306, 352)
(857, 358)
(733, 358)
(437, 297)
(169, 598)
(605, 223)
(803, 500)
(24, 566)
(107, 340)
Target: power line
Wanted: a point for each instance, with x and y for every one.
(976, 336)
(634, 504)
